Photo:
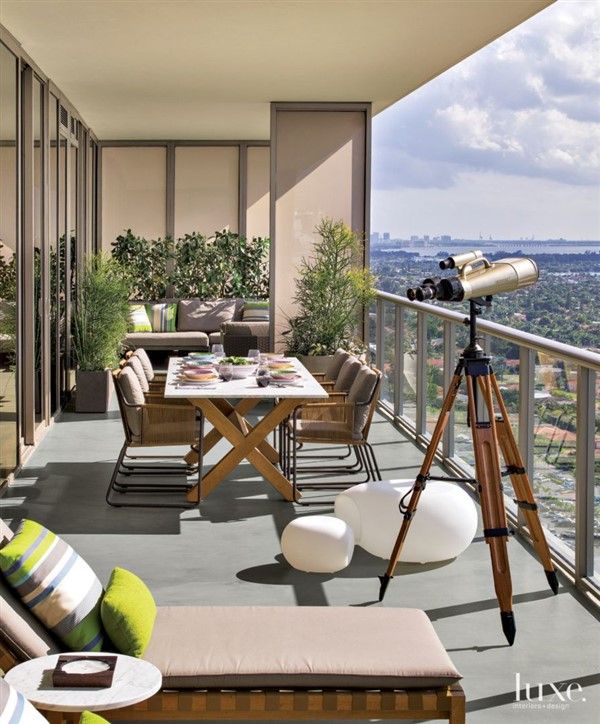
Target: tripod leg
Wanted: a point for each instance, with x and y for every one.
(495, 530)
(421, 480)
(522, 487)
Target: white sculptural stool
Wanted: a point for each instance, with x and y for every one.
(318, 544)
(442, 528)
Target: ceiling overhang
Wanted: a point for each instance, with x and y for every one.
(208, 69)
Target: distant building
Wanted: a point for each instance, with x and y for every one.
(445, 238)
(375, 237)
(414, 237)
(425, 238)
(386, 235)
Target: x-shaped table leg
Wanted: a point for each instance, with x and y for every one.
(248, 442)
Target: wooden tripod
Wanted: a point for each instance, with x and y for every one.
(490, 431)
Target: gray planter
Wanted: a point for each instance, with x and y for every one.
(93, 391)
(315, 362)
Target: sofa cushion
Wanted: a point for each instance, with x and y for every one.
(300, 646)
(167, 340)
(15, 709)
(205, 315)
(128, 612)
(256, 311)
(138, 319)
(162, 316)
(56, 584)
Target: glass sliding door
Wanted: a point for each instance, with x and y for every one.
(53, 245)
(62, 304)
(38, 250)
(9, 448)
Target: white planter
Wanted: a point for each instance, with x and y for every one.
(315, 362)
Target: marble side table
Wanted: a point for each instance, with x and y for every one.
(134, 680)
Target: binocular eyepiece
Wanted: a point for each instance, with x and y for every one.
(477, 277)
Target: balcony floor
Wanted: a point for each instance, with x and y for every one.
(229, 554)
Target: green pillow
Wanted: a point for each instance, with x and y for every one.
(256, 310)
(162, 316)
(128, 612)
(138, 319)
(56, 584)
(88, 717)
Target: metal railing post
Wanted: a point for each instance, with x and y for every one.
(449, 365)
(421, 374)
(398, 360)
(379, 335)
(584, 473)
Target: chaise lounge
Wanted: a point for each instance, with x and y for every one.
(262, 663)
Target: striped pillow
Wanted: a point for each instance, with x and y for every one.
(256, 311)
(138, 319)
(56, 584)
(15, 709)
(162, 316)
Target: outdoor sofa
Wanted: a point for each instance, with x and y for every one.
(261, 663)
(200, 323)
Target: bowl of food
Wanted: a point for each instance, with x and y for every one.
(241, 367)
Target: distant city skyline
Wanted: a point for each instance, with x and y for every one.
(506, 143)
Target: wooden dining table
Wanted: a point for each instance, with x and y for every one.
(226, 406)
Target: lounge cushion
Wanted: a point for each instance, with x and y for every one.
(162, 316)
(138, 319)
(56, 584)
(347, 374)
(128, 612)
(205, 315)
(15, 709)
(20, 630)
(303, 646)
(167, 340)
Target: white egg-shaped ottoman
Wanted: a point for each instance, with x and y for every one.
(318, 544)
(442, 528)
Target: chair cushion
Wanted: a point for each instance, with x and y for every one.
(136, 365)
(167, 340)
(256, 311)
(360, 393)
(335, 365)
(20, 630)
(300, 646)
(138, 319)
(131, 390)
(205, 315)
(347, 374)
(142, 355)
(162, 316)
(128, 612)
(15, 709)
(56, 584)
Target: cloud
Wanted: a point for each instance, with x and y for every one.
(526, 105)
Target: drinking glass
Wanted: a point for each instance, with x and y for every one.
(254, 354)
(218, 350)
(263, 378)
(226, 372)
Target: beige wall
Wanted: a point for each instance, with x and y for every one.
(133, 192)
(319, 171)
(257, 201)
(206, 189)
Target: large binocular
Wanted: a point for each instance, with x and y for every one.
(477, 277)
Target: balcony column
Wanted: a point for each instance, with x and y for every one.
(320, 167)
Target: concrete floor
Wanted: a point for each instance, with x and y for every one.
(228, 553)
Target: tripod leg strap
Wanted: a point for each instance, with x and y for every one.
(496, 532)
(525, 505)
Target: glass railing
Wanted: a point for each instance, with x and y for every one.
(552, 394)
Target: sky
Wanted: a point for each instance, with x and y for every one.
(506, 143)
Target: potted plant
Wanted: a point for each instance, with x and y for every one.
(331, 292)
(99, 326)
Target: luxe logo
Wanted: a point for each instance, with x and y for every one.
(559, 696)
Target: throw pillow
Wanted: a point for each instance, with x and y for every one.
(15, 709)
(128, 612)
(256, 311)
(88, 717)
(138, 319)
(204, 315)
(56, 584)
(162, 316)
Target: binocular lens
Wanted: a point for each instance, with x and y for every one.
(411, 294)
